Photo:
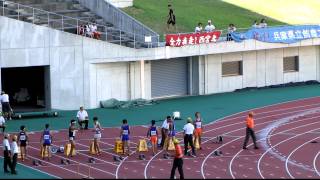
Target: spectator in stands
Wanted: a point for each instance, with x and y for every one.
(81, 30)
(231, 29)
(88, 32)
(255, 24)
(96, 33)
(171, 17)
(199, 28)
(210, 27)
(263, 23)
(83, 118)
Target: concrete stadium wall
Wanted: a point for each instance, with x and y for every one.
(121, 3)
(84, 71)
(260, 68)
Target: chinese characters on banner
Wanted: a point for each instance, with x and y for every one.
(178, 40)
(284, 34)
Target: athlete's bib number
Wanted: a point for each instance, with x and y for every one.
(153, 133)
(198, 124)
(46, 137)
(125, 132)
(22, 137)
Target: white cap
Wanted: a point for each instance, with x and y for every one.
(209, 21)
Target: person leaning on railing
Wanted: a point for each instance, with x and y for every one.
(232, 28)
(199, 28)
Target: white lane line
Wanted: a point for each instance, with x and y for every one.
(259, 161)
(260, 118)
(228, 118)
(74, 172)
(237, 154)
(314, 163)
(106, 172)
(287, 169)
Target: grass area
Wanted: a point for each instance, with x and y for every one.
(153, 13)
(288, 11)
(212, 107)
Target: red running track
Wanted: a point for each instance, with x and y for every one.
(284, 134)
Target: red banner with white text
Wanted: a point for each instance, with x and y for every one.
(178, 40)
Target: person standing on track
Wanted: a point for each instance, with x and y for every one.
(6, 108)
(46, 140)
(153, 134)
(250, 131)
(72, 136)
(170, 136)
(199, 128)
(124, 136)
(164, 130)
(178, 161)
(23, 141)
(6, 154)
(97, 135)
(188, 131)
(2, 123)
(14, 153)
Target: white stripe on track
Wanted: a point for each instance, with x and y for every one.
(287, 160)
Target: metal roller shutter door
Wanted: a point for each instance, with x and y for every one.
(169, 78)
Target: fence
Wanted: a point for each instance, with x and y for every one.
(70, 24)
(120, 19)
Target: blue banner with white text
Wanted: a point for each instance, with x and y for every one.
(283, 34)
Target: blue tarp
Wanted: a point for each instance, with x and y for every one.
(283, 34)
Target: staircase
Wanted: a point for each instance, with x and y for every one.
(67, 15)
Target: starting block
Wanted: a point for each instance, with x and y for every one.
(142, 157)
(166, 156)
(118, 147)
(219, 140)
(92, 149)
(92, 160)
(65, 161)
(67, 149)
(36, 163)
(44, 152)
(217, 153)
(142, 146)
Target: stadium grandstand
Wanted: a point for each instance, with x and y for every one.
(185, 83)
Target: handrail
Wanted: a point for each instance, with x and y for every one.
(36, 13)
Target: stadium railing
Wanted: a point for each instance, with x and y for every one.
(70, 24)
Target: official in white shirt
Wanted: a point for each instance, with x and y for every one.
(2, 123)
(188, 130)
(164, 130)
(6, 108)
(6, 154)
(14, 153)
(83, 117)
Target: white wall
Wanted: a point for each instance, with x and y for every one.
(260, 68)
(121, 3)
(75, 62)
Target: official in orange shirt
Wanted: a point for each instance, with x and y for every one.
(178, 161)
(250, 131)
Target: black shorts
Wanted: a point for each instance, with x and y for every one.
(6, 107)
(23, 143)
